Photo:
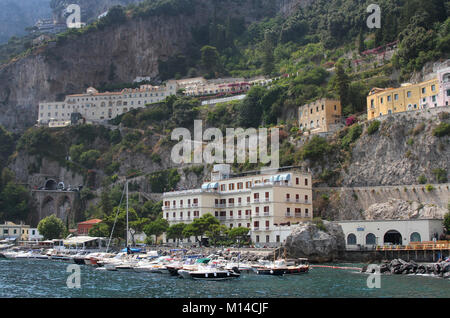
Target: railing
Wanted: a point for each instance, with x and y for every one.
(298, 215)
(256, 200)
(288, 215)
(415, 246)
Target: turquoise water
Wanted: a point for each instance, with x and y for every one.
(42, 278)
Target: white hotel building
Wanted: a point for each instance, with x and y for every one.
(267, 203)
(101, 107)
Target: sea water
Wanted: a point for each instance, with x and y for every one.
(46, 278)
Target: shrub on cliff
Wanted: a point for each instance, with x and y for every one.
(442, 130)
(352, 135)
(447, 220)
(373, 127)
(441, 175)
(316, 149)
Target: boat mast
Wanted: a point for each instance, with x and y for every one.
(127, 214)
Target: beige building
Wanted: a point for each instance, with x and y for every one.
(322, 116)
(387, 101)
(12, 230)
(99, 107)
(261, 202)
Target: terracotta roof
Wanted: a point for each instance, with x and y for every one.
(93, 221)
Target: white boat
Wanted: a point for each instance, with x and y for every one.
(210, 273)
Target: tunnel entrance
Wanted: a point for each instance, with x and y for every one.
(394, 237)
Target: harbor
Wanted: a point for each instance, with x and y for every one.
(46, 278)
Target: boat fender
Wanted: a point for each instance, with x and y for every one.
(271, 271)
(206, 275)
(215, 274)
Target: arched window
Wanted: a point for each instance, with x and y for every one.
(351, 239)
(371, 239)
(415, 237)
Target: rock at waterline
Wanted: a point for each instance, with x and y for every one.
(308, 241)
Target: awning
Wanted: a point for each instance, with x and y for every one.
(280, 177)
(208, 186)
(80, 240)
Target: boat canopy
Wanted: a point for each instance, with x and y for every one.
(280, 177)
(209, 186)
(203, 260)
(133, 250)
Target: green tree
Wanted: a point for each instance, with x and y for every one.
(15, 203)
(120, 227)
(216, 232)
(210, 59)
(100, 230)
(175, 232)
(89, 158)
(268, 64)
(342, 84)
(138, 226)
(156, 228)
(51, 228)
(238, 233)
(361, 43)
(251, 109)
(447, 220)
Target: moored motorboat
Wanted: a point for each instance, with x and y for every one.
(210, 273)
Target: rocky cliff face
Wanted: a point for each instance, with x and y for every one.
(403, 149)
(402, 210)
(116, 54)
(308, 241)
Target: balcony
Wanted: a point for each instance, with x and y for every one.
(231, 205)
(256, 201)
(266, 213)
(288, 215)
(298, 215)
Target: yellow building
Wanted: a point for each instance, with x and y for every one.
(387, 101)
(261, 202)
(321, 116)
(10, 229)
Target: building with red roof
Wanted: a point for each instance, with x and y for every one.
(84, 227)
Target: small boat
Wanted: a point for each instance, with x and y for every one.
(280, 268)
(210, 273)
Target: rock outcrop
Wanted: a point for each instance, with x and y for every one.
(318, 245)
(399, 266)
(402, 210)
